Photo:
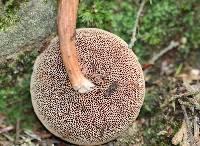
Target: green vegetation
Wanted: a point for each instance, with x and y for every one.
(162, 22)
(15, 98)
(8, 13)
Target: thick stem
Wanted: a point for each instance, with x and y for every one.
(66, 30)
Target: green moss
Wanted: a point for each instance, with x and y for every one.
(162, 21)
(15, 99)
(8, 15)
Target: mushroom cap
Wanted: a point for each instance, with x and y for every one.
(101, 115)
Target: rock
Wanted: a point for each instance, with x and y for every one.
(37, 22)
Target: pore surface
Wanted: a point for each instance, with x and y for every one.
(98, 116)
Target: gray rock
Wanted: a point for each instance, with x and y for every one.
(37, 22)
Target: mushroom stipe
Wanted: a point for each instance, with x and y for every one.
(104, 113)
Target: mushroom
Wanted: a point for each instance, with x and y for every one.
(66, 30)
(79, 60)
(102, 114)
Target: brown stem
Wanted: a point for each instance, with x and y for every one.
(66, 30)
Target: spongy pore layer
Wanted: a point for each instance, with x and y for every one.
(102, 114)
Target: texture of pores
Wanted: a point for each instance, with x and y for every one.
(98, 116)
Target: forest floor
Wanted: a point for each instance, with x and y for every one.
(171, 111)
(170, 90)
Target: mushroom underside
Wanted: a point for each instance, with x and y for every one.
(102, 114)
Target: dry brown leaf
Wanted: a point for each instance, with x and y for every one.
(179, 136)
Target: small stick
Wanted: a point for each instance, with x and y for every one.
(190, 135)
(191, 93)
(171, 46)
(6, 129)
(133, 39)
(17, 131)
(173, 98)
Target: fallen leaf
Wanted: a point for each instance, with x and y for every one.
(179, 136)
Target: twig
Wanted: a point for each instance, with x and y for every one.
(190, 135)
(133, 39)
(191, 93)
(17, 131)
(172, 45)
(6, 129)
(173, 98)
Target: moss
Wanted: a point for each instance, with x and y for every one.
(37, 22)
(8, 15)
(162, 22)
(15, 99)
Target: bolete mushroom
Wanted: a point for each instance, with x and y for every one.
(66, 30)
(98, 116)
(102, 114)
